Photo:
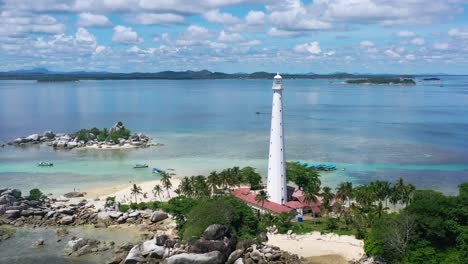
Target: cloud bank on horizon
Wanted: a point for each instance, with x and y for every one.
(322, 36)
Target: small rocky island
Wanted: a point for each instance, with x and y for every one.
(116, 137)
(382, 81)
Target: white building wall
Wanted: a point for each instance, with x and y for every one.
(276, 185)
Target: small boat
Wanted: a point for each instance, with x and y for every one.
(45, 164)
(140, 166)
(156, 170)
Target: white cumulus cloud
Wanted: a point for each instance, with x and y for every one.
(215, 16)
(406, 34)
(125, 35)
(227, 37)
(312, 48)
(154, 19)
(93, 20)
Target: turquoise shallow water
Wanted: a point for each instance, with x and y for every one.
(376, 132)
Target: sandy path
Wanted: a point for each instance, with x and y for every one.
(315, 244)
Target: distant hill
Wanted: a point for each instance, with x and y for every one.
(42, 74)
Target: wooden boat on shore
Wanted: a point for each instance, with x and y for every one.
(140, 166)
(45, 164)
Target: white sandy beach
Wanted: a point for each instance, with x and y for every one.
(315, 244)
(122, 192)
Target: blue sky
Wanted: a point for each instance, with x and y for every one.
(322, 36)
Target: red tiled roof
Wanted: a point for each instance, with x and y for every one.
(245, 195)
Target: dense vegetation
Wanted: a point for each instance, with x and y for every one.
(382, 80)
(424, 226)
(433, 228)
(104, 134)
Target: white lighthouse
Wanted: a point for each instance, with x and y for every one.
(276, 186)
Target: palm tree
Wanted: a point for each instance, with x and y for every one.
(407, 195)
(166, 181)
(310, 196)
(157, 190)
(344, 191)
(213, 181)
(381, 190)
(136, 190)
(185, 187)
(262, 197)
(395, 196)
(327, 197)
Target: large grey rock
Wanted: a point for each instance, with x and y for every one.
(150, 247)
(3, 208)
(214, 257)
(33, 137)
(38, 243)
(8, 198)
(50, 213)
(239, 261)
(26, 213)
(236, 254)
(48, 134)
(66, 210)
(115, 214)
(12, 214)
(134, 256)
(133, 214)
(74, 245)
(161, 240)
(20, 140)
(66, 220)
(158, 216)
(74, 194)
(215, 232)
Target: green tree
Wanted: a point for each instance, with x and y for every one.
(200, 187)
(344, 191)
(249, 175)
(36, 195)
(225, 210)
(407, 195)
(186, 187)
(327, 198)
(166, 181)
(135, 191)
(214, 181)
(283, 222)
(157, 190)
(261, 197)
(301, 175)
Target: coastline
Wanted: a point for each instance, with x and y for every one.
(122, 192)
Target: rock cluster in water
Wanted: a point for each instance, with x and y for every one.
(18, 211)
(70, 141)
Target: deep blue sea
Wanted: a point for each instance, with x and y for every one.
(419, 133)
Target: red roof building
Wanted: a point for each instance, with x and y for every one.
(297, 202)
(249, 197)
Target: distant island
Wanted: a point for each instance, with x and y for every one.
(431, 79)
(380, 80)
(43, 75)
